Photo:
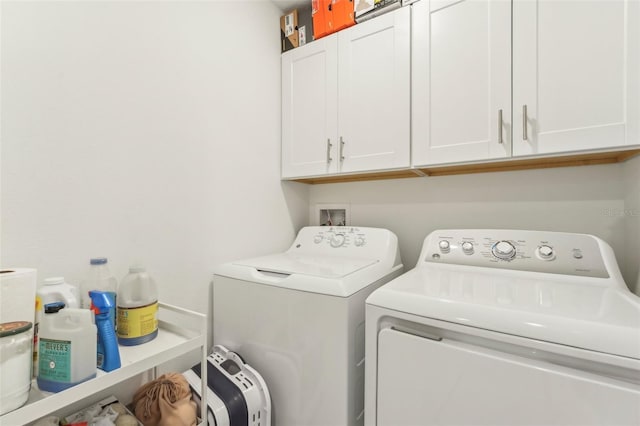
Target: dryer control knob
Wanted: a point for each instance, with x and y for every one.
(467, 247)
(503, 250)
(337, 240)
(359, 241)
(444, 246)
(546, 252)
(318, 239)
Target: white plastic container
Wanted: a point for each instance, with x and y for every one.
(99, 278)
(52, 290)
(15, 364)
(57, 290)
(137, 308)
(17, 294)
(67, 348)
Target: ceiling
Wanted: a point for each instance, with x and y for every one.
(287, 5)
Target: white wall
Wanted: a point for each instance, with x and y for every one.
(589, 199)
(150, 131)
(143, 131)
(631, 271)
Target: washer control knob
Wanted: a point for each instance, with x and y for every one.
(546, 252)
(444, 246)
(503, 250)
(337, 240)
(318, 239)
(359, 241)
(467, 247)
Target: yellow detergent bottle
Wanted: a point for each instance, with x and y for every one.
(137, 306)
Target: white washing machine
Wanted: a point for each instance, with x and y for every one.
(499, 327)
(298, 318)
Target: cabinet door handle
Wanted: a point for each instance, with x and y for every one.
(329, 145)
(524, 122)
(341, 149)
(500, 126)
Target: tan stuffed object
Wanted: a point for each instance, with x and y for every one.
(165, 401)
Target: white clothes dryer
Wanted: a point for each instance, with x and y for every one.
(298, 318)
(500, 327)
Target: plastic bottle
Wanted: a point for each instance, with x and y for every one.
(100, 279)
(57, 290)
(36, 325)
(137, 308)
(67, 350)
(108, 354)
(52, 290)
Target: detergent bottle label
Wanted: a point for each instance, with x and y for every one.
(55, 360)
(112, 313)
(36, 344)
(137, 322)
(100, 354)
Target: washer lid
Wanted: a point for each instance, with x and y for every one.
(317, 266)
(581, 312)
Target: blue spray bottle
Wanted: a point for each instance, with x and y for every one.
(108, 353)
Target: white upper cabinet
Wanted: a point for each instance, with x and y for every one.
(309, 109)
(374, 93)
(446, 82)
(461, 81)
(576, 72)
(346, 100)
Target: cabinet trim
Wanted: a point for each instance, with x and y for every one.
(482, 167)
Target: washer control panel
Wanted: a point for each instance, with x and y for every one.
(358, 242)
(537, 251)
(337, 237)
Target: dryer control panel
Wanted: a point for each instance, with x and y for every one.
(536, 251)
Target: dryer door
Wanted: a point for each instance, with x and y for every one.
(423, 381)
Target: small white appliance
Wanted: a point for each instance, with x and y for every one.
(500, 327)
(237, 395)
(298, 318)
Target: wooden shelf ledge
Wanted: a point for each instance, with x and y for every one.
(485, 167)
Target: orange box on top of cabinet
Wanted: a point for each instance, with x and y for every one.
(319, 11)
(330, 16)
(341, 14)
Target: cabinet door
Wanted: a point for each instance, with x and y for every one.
(461, 80)
(309, 109)
(575, 70)
(374, 93)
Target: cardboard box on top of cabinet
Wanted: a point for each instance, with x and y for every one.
(319, 10)
(341, 15)
(295, 28)
(330, 16)
(367, 9)
(289, 31)
(363, 6)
